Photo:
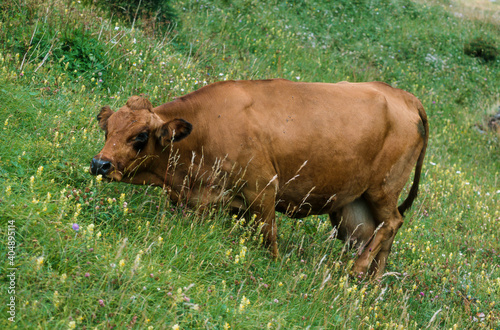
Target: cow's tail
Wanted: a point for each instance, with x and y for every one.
(418, 169)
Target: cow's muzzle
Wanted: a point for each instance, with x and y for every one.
(100, 166)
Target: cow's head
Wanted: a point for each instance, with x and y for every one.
(135, 137)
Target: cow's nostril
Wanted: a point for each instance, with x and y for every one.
(99, 166)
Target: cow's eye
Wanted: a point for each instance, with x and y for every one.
(140, 141)
(142, 137)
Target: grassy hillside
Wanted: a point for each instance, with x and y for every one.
(90, 254)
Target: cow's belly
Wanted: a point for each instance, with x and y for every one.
(300, 201)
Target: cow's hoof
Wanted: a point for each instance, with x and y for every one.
(359, 269)
(274, 252)
(375, 271)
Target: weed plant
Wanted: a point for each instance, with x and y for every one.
(91, 254)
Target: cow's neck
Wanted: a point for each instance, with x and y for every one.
(183, 108)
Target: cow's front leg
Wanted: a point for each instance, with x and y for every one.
(261, 206)
(270, 232)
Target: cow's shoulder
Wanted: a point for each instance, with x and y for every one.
(242, 90)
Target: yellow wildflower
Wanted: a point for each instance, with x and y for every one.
(244, 303)
(39, 262)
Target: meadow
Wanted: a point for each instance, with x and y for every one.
(80, 253)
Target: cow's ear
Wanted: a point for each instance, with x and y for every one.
(103, 116)
(174, 131)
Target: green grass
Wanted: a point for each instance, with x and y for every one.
(136, 261)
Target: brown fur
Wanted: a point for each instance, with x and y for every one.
(139, 103)
(343, 149)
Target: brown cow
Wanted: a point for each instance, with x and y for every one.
(344, 149)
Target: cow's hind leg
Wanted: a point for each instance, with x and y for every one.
(389, 220)
(382, 197)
